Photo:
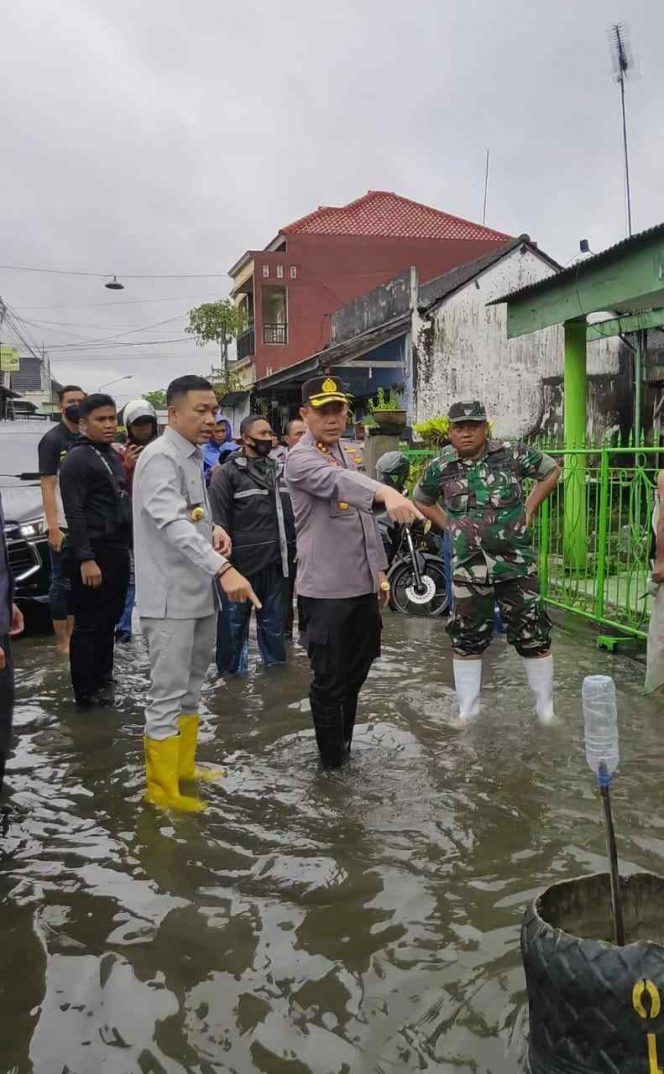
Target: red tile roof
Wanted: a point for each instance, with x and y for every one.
(380, 212)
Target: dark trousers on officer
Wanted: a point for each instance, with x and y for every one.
(343, 641)
(6, 704)
(96, 611)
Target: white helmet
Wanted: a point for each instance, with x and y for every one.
(136, 409)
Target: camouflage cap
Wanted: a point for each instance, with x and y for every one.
(472, 411)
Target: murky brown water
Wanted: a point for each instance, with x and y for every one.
(364, 921)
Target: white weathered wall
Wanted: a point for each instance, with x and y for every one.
(464, 352)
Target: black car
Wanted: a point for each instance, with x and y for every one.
(25, 529)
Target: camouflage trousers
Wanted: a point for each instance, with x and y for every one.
(521, 609)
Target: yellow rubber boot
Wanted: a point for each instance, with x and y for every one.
(188, 741)
(162, 761)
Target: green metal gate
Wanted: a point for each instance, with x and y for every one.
(594, 534)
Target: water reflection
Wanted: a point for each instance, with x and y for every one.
(358, 921)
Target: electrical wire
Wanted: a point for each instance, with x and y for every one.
(124, 275)
(101, 340)
(100, 360)
(114, 303)
(124, 343)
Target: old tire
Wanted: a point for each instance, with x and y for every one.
(595, 1008)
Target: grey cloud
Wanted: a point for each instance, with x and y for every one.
(167, 138)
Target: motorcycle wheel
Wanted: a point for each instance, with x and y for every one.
(402, 578)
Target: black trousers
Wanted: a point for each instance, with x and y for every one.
(290, 610)
(6, 703)
(344, 640)
(96, 611)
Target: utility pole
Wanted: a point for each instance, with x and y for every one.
(486, 187)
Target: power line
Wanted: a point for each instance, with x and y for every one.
(123, 343)
(62, 360)
(124, 275)
(115, 335)
(114, 303)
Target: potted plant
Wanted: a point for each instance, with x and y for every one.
(386, 412)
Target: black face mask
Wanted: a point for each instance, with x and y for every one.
(261, 447)
(72, 413)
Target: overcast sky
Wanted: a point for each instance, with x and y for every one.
(165, 137)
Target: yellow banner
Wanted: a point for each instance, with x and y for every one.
(10, 361)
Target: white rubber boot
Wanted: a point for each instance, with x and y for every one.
(468, 683)
(540, 680)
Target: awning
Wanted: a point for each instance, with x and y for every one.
(340, 354)
(291, 374)
(233, 398)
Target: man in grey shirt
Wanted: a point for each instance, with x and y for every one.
(340, 563)
(178, 555)
(11, 623)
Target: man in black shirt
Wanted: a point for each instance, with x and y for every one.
(257, 515)
(96, 506)
(52, 449)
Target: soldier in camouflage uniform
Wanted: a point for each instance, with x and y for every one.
(483, 509)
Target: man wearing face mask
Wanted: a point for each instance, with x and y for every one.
(52, 449)
(250, 506)
(140, 421)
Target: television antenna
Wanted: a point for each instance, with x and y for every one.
(622, 64)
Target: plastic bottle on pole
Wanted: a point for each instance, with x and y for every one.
(600, 715)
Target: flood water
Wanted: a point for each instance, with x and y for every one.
(307, 923)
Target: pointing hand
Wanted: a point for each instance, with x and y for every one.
(398, 507)
(237, 588)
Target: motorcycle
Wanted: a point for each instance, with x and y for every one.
(416, 574)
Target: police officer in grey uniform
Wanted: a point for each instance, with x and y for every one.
(341, 562)
(178, 555)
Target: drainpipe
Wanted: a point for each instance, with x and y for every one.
(639, 361)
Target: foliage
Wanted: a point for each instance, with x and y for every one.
(215, 322)
(224, 381)
(385, 400)
(434, 431)
(157, 398)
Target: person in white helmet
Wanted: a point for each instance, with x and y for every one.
(140, 421)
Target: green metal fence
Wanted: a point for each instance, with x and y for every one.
(594, 534)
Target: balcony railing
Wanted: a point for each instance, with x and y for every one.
(275, 333)
(245, 344)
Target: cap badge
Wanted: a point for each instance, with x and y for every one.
(329, 385)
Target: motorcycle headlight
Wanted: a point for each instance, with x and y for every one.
(33, 528)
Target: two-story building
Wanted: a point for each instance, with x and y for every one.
(319, 263)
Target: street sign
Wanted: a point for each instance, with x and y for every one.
(9, 360)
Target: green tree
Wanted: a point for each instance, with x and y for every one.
(224, 381)
(216, 322)
(157, 398)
